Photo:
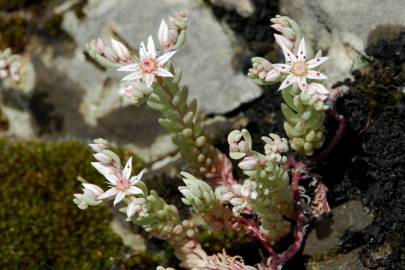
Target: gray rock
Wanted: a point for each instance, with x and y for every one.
(345, 27)
(244, 7)
(349, 261)
(205, 59)
(326, 235)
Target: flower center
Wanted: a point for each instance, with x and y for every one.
(122, 184)
(148, 65)
(299, 68)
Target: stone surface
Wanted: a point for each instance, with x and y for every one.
(132, 240)
(349, 261)
(325, 237)
(344, 28)
(205, 59)
(244, 7)
(73, 97)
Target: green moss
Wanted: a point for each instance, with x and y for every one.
(40, 226)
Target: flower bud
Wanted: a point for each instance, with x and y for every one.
(248, 164)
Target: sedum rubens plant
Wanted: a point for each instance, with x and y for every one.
(303, 93)
(268, 203)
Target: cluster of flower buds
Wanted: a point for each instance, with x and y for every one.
(10, 65)
(110, 56)
(237, 195)
(240, 144)
(137, 207)
(262, 71)
(318, 95)
(274, 146)
(172, 35)
(288, 29)
(197, 193)
(134, 92)
(89, 196)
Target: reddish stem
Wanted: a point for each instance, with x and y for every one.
(251, 227)
(335, 140)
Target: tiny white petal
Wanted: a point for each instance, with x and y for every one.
(302, 83)
(119, 48)
(163, 72)
(287, 81)
(316, 75)
(143, 53)
(105, 171)
(130, 67)
(136, 178)
(108, 194)
(316, 62)
(128, 169)
(93, 188)
(165, 57)
(119, 197)
(163, 33)
(149, 79)
(134, 190)
(132, 76)
(301, 53)
(151, 48)
(284, 68)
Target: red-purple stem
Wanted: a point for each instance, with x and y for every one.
(335, 140)
(280, 259)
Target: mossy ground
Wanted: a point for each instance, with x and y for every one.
(40, 226)
(21, 19)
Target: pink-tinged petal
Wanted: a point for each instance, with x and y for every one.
(119, 49)
(151, 48)
(136, 178)
(119, 197)
(130, 67)
(272, 75)
(128, 169)
(143, 53)
(163, 33)
(108, 194)
(149, 78)
(316, 75)
(316, 62)
(93, 188)
(288, 55)
(163, 72)
(287, 82)
(165, 57)
(134, 190)
(283, 68)
(302, 83)
(319, 88)
(302, 52)
(105, 171)
(283, 42)
(132, 76)
(131, 209)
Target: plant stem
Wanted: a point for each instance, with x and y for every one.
(321, 156)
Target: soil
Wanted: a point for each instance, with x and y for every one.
(369, 163)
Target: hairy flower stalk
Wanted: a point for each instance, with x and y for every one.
(272, 197)
(303, 93)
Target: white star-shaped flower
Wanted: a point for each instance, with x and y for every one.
(121, 182)
(149, 65)
(297, 67)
